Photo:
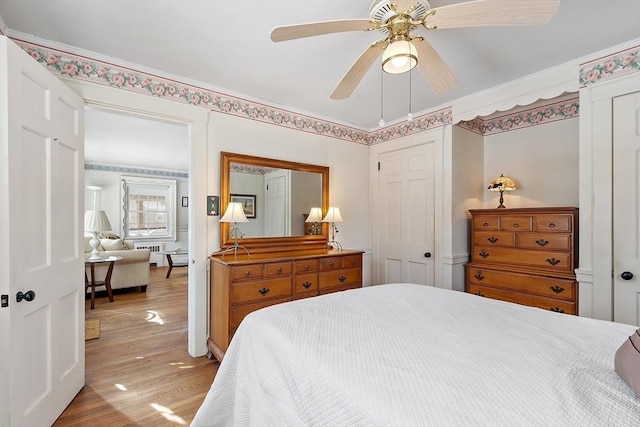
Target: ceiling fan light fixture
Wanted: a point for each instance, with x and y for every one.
(399, 57)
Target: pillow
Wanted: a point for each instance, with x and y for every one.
(627, 361)
(112, 244)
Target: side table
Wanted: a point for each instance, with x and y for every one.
(107, 279)
(172, 263)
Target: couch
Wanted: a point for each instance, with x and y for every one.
(131, 271)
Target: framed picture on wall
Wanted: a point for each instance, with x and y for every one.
(248, 202)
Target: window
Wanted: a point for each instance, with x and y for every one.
(149, 208)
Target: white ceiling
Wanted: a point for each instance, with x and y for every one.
(225, 45)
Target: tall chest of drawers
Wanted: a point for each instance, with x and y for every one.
(245, 284)
(526, 256)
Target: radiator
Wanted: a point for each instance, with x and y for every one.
(152, 246)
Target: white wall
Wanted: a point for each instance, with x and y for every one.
(543, 160)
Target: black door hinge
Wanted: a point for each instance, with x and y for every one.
(4, 301)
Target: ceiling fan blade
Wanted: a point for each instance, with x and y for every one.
(357, 71)
(433, 68)
(481, 13)
(298, 31)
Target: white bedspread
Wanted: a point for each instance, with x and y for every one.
(410, 355)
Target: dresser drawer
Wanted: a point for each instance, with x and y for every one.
(559, 306)
(540, 285)
(306, 283)
(545, 241)
(494, 238)
(307, 265)
(486, 223)
(246, 272)
(550, 223)
(339, 278)
(263, 289)
(559, 261)
(352, 261)
(331, 263)
(277, 269)
(516, 223)
(238, 312)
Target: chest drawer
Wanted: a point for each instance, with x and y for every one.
(559, 306)
(306, 283)
(307, 265)
(486, 223)
(545, 241)
(339, 278)
(540, 285)
(331, 263)
(550, 223)
(516, 223)
(277, 269)
(263, 289)
(494, 238)
(239, 312)
(559, 261)
(246, 272)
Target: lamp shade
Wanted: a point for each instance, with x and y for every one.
(96, 221)
(333, 215)
(399, 57)
(234, 213)
(315, 215)
(502, 183)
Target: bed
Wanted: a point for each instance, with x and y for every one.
(411, 355)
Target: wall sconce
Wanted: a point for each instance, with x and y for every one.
(502, 184)
(235, 214)
(315, 216)
(333, 216)
(94, 222)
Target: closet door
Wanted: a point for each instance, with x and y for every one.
(626, 203)
(406, 211)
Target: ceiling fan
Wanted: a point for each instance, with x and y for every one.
(401, 50)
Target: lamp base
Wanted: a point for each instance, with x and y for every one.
(235, 251)
(335, 245)
(502, 206)
(94, 243)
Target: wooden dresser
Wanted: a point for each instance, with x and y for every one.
(245, 284)
(526, 256)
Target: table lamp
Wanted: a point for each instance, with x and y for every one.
(315, 216)
(95, 221)
(234, 214)
(502, 184)
(333, 216)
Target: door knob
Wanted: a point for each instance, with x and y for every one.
(28, 296)
(627, 275)
(427, 254)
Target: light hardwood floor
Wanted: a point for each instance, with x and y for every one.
(139, 373)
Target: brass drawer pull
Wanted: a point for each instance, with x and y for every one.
(557, 289)
(557, 309)
(306, 285)
(552, 225)
(247, 274)
(492, 239)
(486, 224)
(331, 264)
(342, 279)
(478, 275)
(542, 242)
(264, 291)
(483, 253)
(516, 225)
(307, 267)
(279, 270)
(553, 261)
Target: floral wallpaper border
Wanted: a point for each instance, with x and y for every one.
(566, 109)
(93, 166)
(610, 66)
(251, 169)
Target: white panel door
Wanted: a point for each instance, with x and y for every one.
(277, 221)
(406, 193)
(626, 202)
(41, 180)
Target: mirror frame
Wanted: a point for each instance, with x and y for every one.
(270, 244)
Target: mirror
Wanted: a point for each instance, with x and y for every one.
(276, 196)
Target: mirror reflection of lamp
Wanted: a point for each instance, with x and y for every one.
(95, 221)
(315, 216)
(234, 214)
(333, 216)
(502, 184)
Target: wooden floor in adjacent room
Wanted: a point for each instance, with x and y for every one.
(139, 373)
